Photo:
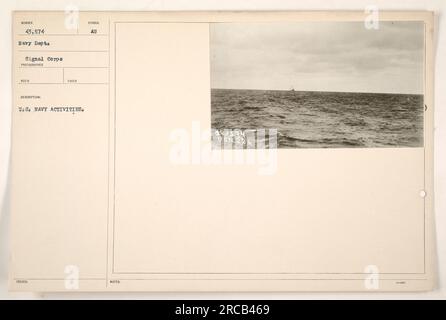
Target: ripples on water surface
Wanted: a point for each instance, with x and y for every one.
(307, 119)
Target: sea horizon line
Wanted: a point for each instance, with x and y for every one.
(328, 91)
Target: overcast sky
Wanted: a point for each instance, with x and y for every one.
(319, 56)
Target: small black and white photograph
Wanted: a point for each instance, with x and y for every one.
(319, 84)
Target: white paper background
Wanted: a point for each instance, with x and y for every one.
(439, 6)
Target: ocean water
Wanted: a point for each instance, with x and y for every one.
(308, 119)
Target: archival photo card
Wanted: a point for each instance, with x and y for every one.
(331, 188)
(323, 84)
